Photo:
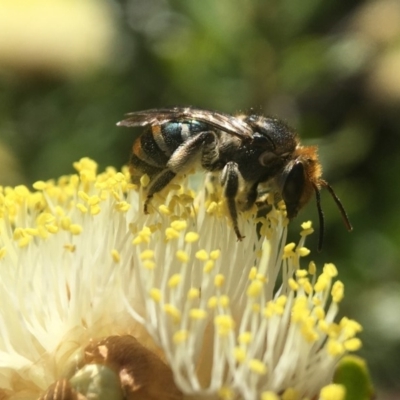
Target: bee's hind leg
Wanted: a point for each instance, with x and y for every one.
(157, 184)
(203, 143)
(230, 183)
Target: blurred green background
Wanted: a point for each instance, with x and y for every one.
(70, 69)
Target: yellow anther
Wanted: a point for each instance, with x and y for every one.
(155, 294)
(323, 326)
(22, 191)
(65, 223)
(226, 393)
(307, 232)
(85, 163)
(335, 348)
(269, 396)
(215, 254)
(213, 207)
(224, 301)
(197, 313)
(306, 225)
(353, 344)
(225, 324)
(83, 196)
(350, 326)
(312, 268)
(24, 241)
(330, 270)
(239, 354)
(147, 254)
(307, 286)
(262, 278)
(33, 231)
(192, 237)
(93, 200)
(40, 185)
(309, 333)
(119, 177)
(301, 273)
(337, 292)
(245, 338)
(333, 392)
(145, 180)
(137, 240)
(255, 307)
(95, 210)
(115, 255)
(269, 310)
(307, 228)
(293, 284)
(322, 283)
(219, 280)
(82, 208)
(180, 336)
(182, 256)
(149, 264)
(45, 218)
(252, 273)
(174, 281)
(122, 206)
(202, 255)
(193, 294)
(288, 250)
(290, 394)
(75, 229)
(212, 302)
(171, 233)
(164, 209)
(208, 266)
(173, 312)
(254, 289)
(179, 225)
(258, 367)
(319, 312)
(52, 228)
(303, 251)
(281, 301)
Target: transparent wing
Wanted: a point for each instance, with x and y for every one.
(224, 122)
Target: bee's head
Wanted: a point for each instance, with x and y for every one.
(300, 178)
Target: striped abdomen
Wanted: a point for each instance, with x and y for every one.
(152, 150)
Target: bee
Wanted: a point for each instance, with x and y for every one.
(245, 150)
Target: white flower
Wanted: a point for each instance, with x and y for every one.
(80, 262)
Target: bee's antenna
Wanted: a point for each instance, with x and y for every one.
(339, 204)
(321, 218)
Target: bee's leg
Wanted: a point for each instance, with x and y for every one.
(210, 154)
(230, 182)
(181, 158)
(248, 196)
(187, 152)
(157, 184)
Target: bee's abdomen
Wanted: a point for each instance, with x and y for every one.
(152, 150)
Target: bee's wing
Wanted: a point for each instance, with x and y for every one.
(224, 122)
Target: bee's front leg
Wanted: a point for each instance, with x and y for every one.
(230, 183)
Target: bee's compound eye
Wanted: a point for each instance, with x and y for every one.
(267, 158)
